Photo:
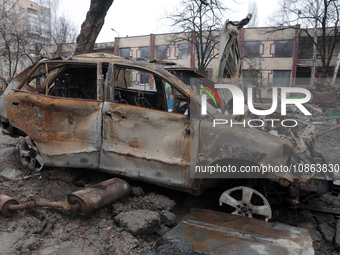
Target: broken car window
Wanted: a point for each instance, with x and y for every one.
(176, 102)
(133, 87)
(76, 82)
(36, 82)
(144, 89)
(37, 76)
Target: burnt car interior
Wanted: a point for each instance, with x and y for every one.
(155, 93)
(76, 82)
(142, 95)
(81, 82)
(68, 81)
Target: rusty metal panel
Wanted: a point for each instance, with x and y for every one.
(96, 57)
(99, 81)
(145, 143)
(59, 127)
(11, 87)
(108, 89)
(222, 233)
(243, 144)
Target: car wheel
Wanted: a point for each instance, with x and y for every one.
(243, 204)
(29, 155)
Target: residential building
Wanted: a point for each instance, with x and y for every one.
(38, 20)
(26, 28)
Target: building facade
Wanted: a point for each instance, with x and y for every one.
(38, 20)
(269, 58)
(25, 28)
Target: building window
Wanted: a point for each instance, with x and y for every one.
(32, 11)
(124, 52)
(250, 78)
(281, 78)
(161, 52)
(145, 53)
(144, 78)
(251, 49)
(284, 49)
(206, 51)
(184, 51)
(303, 74)
(305, 48)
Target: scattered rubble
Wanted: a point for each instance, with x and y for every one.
(11, 173)
(151, 201)
(337, 234)
(29, 244)
(168, 218)
(327, 231)
(144, 214)
(139, 221)
(164, 246)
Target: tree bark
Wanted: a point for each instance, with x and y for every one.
(92, 25)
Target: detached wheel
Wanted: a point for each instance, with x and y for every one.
(29, 155)
(242, 198)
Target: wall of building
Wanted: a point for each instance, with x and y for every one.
(29, 21)
(268, 62)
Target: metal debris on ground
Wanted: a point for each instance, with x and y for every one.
(221, 233)
(83, 201)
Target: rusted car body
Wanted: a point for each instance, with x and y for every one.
(221, 233)
(87, 112)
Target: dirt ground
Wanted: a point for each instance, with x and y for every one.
(52, 231)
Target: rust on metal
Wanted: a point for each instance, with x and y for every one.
(83, 201)
(221, 233)
(99, 195)
(5, 203)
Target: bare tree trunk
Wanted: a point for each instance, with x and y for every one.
(336, 70)
(92, 26)
(315, 42)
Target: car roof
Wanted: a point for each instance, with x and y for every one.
(96, 57)
(184, 69)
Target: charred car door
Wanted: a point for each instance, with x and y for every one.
(58, 106)
(142, 137)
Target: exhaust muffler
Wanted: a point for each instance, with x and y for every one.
(82, 201)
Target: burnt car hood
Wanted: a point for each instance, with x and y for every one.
(274, 145)
(243, 144)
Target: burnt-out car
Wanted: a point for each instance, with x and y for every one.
(99, 111)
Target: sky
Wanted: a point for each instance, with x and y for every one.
(143, 17)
